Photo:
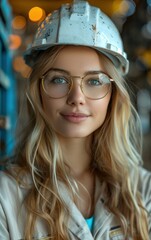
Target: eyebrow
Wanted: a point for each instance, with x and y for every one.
(69, 73)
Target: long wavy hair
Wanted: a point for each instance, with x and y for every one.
(116, 150)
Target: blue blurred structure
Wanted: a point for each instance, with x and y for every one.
(8, 101)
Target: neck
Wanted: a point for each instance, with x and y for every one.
(77, 154)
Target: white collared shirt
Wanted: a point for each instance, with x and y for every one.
(106, 225)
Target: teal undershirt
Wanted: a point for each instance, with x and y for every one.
(90, 221)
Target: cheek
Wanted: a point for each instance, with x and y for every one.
(51, 106)
(101, 106)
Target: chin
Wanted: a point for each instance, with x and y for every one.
(74, 135)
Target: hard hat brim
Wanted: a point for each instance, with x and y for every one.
(119, 60)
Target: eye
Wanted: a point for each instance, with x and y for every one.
(56, 80)
(94, 82)
(59, 80)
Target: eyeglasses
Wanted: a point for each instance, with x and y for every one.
(57, 83)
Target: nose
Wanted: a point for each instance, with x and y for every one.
(76, 96)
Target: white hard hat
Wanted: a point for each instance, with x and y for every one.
(79, 24)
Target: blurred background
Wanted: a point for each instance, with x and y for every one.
(19, 21)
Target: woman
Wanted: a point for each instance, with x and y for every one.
(77, 171)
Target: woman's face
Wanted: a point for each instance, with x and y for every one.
(75, 115)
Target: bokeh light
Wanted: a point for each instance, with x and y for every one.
(125, 7)
(146, 30)
(36, 14)
(19, 22)
(146, 57)
(20, 66)
(15, 41)
(149, 2)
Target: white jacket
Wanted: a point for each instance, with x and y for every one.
(106, 225)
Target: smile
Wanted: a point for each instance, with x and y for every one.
(75, 117)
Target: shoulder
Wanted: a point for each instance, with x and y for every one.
(6, 180)
(145, 186)
(12, 195)
(144, 172)
(12, 208)
(10, 186)
(145, 189)
(144, 179)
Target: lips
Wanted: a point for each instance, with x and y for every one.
(75, 117)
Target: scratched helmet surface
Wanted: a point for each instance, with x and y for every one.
(79, 23)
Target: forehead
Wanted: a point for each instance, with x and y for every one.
(78, 59)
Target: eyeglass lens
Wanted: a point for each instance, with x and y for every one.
(93, 85)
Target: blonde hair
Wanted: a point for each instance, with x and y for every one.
(116, 153)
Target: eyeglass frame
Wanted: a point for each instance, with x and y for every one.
(71, 82)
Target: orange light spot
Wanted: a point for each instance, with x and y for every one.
(20, 66)
(19, 22)
(15, 41)
(146, 57)
(36, 14)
